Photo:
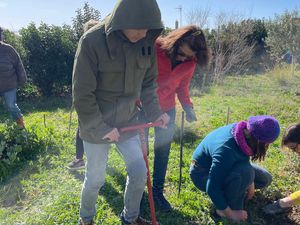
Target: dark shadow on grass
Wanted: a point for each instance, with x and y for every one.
(11, 188)
(189, 136)
(110, 171)
(256, 215)
(173, 217)
(118, 177)
(49, 104)
(38, 104)
(78, 174)
(113, 197)
(41, 104)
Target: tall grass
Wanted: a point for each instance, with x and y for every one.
(283, 73)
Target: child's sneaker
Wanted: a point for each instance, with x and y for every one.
(76, 164)
(274, 208)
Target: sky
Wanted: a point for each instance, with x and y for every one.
(15, 14)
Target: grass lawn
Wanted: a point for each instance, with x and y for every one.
(43, 192)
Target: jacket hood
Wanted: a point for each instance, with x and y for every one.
(135, 14)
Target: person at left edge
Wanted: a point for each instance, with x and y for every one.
(12, 76)
(115, 65)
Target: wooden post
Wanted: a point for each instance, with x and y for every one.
(45, 120)
(70, 120)
(228, 115)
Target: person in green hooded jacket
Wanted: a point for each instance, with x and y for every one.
(115, 65)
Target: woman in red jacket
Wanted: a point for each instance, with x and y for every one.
(178, 53)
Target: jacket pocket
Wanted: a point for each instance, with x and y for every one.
(111, 76)
(144, 62)
(143, 65)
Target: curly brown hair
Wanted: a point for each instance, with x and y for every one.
(291, 134)
(191, 35)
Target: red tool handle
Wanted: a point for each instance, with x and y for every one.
(149, 186)
(141, 126)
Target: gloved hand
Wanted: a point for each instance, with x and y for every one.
(190, 114)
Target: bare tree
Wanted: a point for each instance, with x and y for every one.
(229, 41)
(231, 48)
(198, 16)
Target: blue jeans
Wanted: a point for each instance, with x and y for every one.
(10, 98)
(237, 182)
(97, 156)
(162, 145)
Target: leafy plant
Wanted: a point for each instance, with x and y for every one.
(19, 145)
(27, 92)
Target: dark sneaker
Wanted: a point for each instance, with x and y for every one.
(274, 208)
(76, 164)
(80, 222)
(139, 221)
(160, 202)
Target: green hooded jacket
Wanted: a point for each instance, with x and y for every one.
(110, 73)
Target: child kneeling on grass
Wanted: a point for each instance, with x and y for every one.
(221, 164)
(291, 140)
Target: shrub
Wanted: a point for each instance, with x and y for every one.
(50, 54)
(19, 145)
(29, 91)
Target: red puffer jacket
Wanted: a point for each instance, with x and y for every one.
(171, 82)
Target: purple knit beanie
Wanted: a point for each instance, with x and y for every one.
(266, 129)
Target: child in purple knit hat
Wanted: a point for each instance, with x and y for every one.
(221, 164)
(264, 128)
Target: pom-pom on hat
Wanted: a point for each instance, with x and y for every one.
(264, 128)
